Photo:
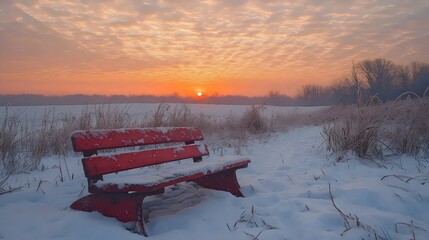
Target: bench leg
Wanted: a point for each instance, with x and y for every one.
(122, 206)
(223, 181)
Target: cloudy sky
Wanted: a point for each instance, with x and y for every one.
(244, 47)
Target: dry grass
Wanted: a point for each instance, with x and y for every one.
(378, 130)
(375, 130)
(9, 142)
(358, 131)
(410, 128)
(108, 116)
(158, 119)
(253, 120)
(24, 142)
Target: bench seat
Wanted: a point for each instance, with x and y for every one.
(147, 180)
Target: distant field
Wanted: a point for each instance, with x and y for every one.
(139, 110)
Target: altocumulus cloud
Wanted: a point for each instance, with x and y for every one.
(242, 40)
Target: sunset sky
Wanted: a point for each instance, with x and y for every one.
(240, 47)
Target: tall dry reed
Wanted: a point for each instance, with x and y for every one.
(377, 130)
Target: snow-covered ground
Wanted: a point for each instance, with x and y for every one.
(287, 197)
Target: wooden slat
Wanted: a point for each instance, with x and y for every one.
(93, 140)
(99, 165)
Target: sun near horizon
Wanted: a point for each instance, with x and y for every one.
(162, 47)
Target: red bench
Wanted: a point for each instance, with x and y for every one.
(121, 195)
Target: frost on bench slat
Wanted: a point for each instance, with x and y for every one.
(116, 138)
(100, 165)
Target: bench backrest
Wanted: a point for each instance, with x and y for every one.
(90, 141)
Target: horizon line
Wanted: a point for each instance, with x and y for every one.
(148, 95)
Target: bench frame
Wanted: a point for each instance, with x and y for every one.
(125, 202)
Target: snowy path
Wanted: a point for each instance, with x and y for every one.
(287, 198)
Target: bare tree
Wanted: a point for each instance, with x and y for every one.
(277, 99)
(341, 91)
(348, 90)
(311, 91)
(314, 94)
(419, 77)
(404, 78)
(379, 75)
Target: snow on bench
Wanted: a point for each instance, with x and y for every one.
(153, 178)
(121, 195)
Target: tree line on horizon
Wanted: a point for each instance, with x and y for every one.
(370, 80)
